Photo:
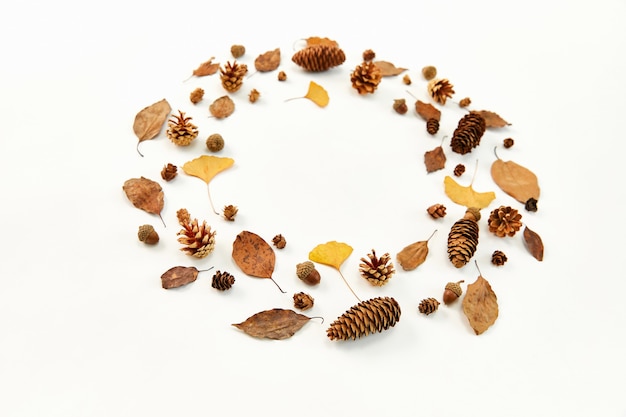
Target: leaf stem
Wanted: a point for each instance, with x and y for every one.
(204, 270)
(292, 98)
(495, 153)
(137, 147)
(433, 234)
(317, 317)
(474, 176)
(211, 200)
(281, 290)
(476, 263)
(161, 217)
(349, 287)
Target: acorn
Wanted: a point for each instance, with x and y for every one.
(452, 292)
(306, 272)
(147, 234)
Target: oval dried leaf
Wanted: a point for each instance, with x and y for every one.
(276, 324)
(253, 255)
(480, 305)
(150, 120)
(145, 194)
(533, 243)
(427, 111)
(466, 196)
(413, 255)
(515, 180)
(388, 69)
(492, 119)
(268, 61)
(331, 253)
(178, 276)
(222, 107)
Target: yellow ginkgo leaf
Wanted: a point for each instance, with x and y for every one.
(331, 253)
(206, 167)
(317, 94)
(466, 196)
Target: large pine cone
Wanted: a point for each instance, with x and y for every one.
(504, 221)
(440, 90)
(199, 240)
(468, 133)
(232, 76)
(376, 270)
(317, 58)
(370, 316)
(222, 281)
(181, 131)
(463, 238)
(366, 77)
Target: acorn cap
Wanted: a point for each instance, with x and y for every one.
(455, 288)
(147, 234)
(304, 269)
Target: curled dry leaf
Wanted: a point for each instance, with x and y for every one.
(150, 120)
(515, 180)
(178, 276)
(254, 256)
(435, 159)
(480, 305)
(427, 111)
(534, 243)
(276, 324)
(388, 69)
(414, 254)
(316, 40)
(207, 68)
(268, 61)
(145, 194)
(206, 167)
(492, 119)
(466, 196)
(222, 107)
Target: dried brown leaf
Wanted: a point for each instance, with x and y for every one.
(207, 68)
(492, 119)
(276, 324)
(254, 255)
(534, 243)
(413, 255)
(268, 61)
(316, 40)
(427, 111)
(515, 180)
(178, 276)
(222, 107)
(150, 120)
(435, 159)
(388, 69)
(145, 194)
(480, 305)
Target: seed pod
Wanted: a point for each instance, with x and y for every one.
(306, 272)
(147, 234)
(452, 292)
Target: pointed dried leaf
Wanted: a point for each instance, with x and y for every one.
(533, 243)
(276, 324)
(435, 159)
(207, 68)
(413, 255)
(331, 253)
(427, 111)
(145, 194)
(492, 119)
(515, 180)
(149, 121)
(466, 196)
(222, 107)
(178, 276)
(317, 94)
(480, 305)
(253, 255)
(268, 61)
(388, 69)
(206, 167)
(316, 40)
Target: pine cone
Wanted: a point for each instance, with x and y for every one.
(377, 270)
(181, 131)
(504, 221)
(370, 316)
(222, 281)
(169, 172)
(302, 301)
(440, 90)
(428, 306)
(317, 58)
(459, 170)
(232, 76)
(463, 238)
(199, 241)
(366, 77)
(468, 133)
(432, 126)
(437, 211)
(498, 258)
(230, 212)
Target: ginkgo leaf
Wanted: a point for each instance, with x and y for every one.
(515, 180)
(268, 61)
(206, 167)
(316, 40)
(276, 324)
(331, 253)
(316, 94)
(150, 120)
(467, 196)
(388, 69)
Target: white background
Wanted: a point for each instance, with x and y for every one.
(86, 329)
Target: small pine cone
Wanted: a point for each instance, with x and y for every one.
(437, 211)
(307, 273)
(222, 281)
(317, 58)
(254, 95)
(465, 102)
(199, 240)
(169, 172)
(377, 270)
(279, 241)
(508, 142)
(498, 258)
(459, 170)
(531, 204)
(230, 212)
(432, 126)
(440, 90)
(302, 301)
(215, 142)
(368, 55)
(504, 221)
(468, 133)
(463, 238)
(366, 77)
(428, 306)
(282, 76)
(147, 234)
(181, 131)
(196, 95)
(370, 316)
(232, 76)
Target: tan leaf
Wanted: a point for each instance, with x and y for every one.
(480, 305)
(427, 110)
(276, 324)
(316, 40)
(206, 167)
(222, 107)
(492, 119)
(466, 196)
(145, 194)
(534, 243)
(331, 253)
(207, 68)
(178, 276)
(150, 120)
(388, 69)
(413, 255)
(254, 255)
(435, 159)
(268, 61)
(515, 180)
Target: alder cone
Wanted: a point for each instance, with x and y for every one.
(318, 58)
(367, 317)
(468, 133)
(463, 239)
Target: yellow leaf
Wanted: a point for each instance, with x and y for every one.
(466, 196)
(206, 167)
(331, 253)
(317, 94)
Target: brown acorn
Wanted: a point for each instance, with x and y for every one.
(306, 272)
(147, 234)
(452, 292)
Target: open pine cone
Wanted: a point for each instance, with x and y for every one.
(232, 76)
(440, 90)
(199, 240)
(376, 270)
(366, 77)
(504, 221)
(181, 131)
